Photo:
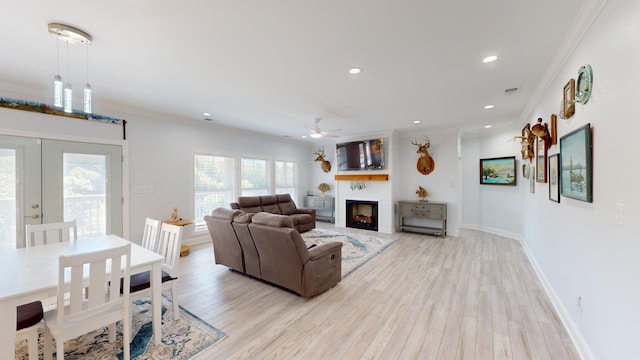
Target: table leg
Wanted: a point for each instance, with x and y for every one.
(8, 330)
(156, 302)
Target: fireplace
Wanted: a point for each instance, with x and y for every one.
(362, 214)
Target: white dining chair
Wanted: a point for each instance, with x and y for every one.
(29, 316)
(169, 243)
(104, 306)
(40, 234)
(29, 319)
(150, 235)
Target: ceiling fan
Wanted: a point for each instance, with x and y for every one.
(316, 132)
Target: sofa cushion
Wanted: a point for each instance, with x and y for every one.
(225, 213)
(244, 218)
(270, 204)
(287, 208)
(272, 220)
(250, 204)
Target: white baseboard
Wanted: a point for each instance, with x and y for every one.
(576, 336)
(574, 332)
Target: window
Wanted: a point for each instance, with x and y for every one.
(286, 178)
(255, 177)
(213, 185)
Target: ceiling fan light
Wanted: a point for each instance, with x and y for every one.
(316, 135)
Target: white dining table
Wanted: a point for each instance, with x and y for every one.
(30, 274)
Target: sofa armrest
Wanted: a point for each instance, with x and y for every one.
(325, 249)
(311, 212)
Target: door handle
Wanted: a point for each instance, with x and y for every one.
(34, 216)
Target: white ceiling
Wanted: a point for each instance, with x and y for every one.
(274, 66)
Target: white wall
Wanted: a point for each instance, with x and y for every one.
(577, 247)
(442, 184)
(160, 156)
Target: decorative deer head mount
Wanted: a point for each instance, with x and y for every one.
(324, 164)
(425, 164)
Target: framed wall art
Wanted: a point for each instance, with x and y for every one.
(541, 160)
(568, 99)
(498, 171)
(576, 180)
(532, 180)
(554, 179)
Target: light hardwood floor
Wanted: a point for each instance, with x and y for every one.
(470, 297)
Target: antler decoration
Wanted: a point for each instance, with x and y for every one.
(324, 164)
(425, 164)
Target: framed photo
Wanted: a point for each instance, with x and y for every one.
(532, 180)
(541, 160)
(568, 99)
(576, 180)
(554, 179)
(498, 171)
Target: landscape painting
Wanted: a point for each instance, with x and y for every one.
(576, 164)
(498, 171)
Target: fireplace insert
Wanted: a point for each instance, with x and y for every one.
(362, 214)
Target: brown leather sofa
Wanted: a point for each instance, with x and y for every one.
(271, 249)
(282, 204)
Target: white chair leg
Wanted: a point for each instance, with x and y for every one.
(112, 332)
(59, 349)
(174, 300)
(48, 342)
(32, 345)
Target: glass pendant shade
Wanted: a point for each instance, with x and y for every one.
(87, 99)
(68, 96)
(57, 91)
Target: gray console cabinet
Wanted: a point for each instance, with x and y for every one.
(324, 205)
(424, 217)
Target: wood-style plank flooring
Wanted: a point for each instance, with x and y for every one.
(470, 297)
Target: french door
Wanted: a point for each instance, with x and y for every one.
(44, 181)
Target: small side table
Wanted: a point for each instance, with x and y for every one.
(184, 249)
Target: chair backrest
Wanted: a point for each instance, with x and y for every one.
(41, 234)
(150, 235)
(103, 285)
(169, 247)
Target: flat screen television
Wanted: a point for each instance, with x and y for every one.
(361, 155)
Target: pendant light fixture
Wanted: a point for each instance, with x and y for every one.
(87, 90)
(68, 94)
(57, 80)
(63, 95)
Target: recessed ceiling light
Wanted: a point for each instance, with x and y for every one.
(355, 71)
(304, 136)
(489, 106)
(416, 121)
(488, 126)
(206, 114)
(489, 59)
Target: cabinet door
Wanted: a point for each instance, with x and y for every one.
(436, 211)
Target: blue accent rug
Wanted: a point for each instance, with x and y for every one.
(356, 249)
(182, 339)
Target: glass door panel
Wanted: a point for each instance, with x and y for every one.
(8, 198)
(84, 195)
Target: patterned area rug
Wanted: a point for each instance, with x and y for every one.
(356, 249)
(182, 339)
